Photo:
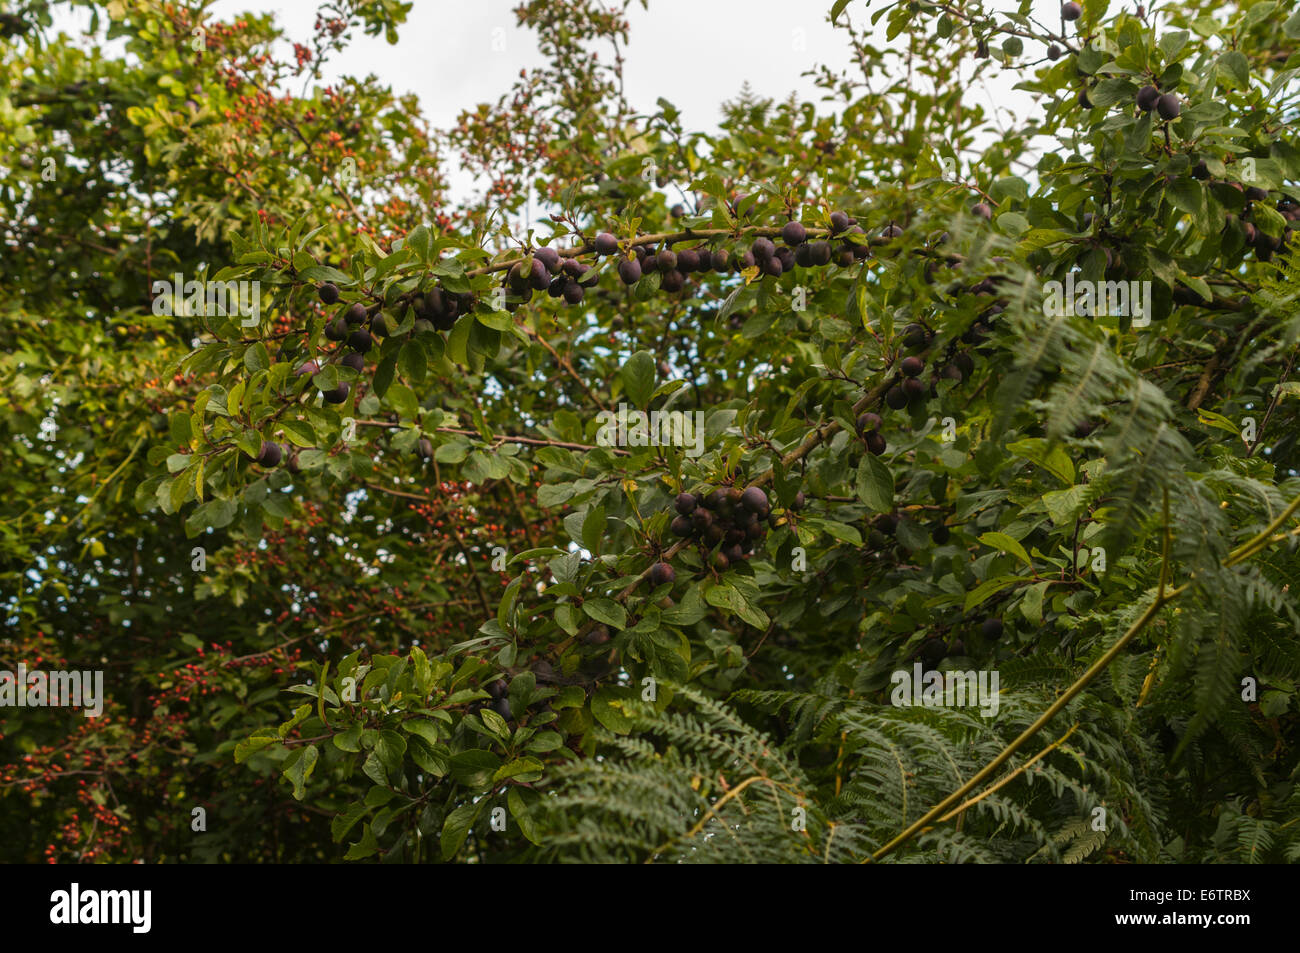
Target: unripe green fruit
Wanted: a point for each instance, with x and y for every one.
(329, 292)
(268, 454)
(662, 574)
(1146, 98)
(605, 243)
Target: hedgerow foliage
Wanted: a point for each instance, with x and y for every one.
(367, 580)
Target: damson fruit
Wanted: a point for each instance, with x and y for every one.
(1256, 194)
(573, 292)
(940, 534)
(933, 650)
(549, 257)
(672, 281)
(424, 448)
(329, 292)
(785, 255)
(538, 277)
(991, 627)
(763, 249)
(356, 313)
(605, 243)
(719, 561)
(360, 340)
(868, 422)
(1053, 51)
(556, 287)
(735, 552)
(685, 503)
(983, 211)
(1071, 11)
(354, 361)
(336, 330)
(886, 523)
(772, 266)
(574, 268)
(629, 270)
(702, 519)
(1084, 101)
(875, 442)
(666, 260)
(682, 526)
(745, 260)
(964, 361)
(688, 260)
(912, 366)
(844, 257)
(309, 367)
(803, 256)
(268, 454)
(895, 397)
(502, 707)
(913, 389)
(339, 394)
(1146, 98)
(720, 259)
(915, 336)
(951, 372)
(498, 688)
(662, 574)
(892, 231)
(839, 222)
(1169, 106)
(793, 233)
(820, 253)
(597, 636)
(754, 499)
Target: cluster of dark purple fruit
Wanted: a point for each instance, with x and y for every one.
(546, 271)
(728, 523)
(764, 254)
(1264, 245)
(934, 649)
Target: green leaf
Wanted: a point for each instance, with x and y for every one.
(456, 827)
(875, 484)
(1004, 543)
(607, 611)
(300, 769)
(638, 376)
(988, 588)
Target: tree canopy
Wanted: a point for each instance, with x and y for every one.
(411, 526)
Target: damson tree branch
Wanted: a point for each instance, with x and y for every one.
(1162, 598)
